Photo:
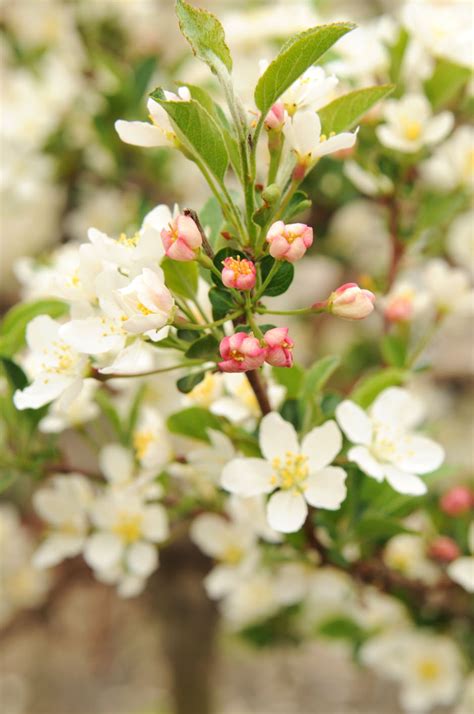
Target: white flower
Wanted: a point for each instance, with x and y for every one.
(367, 182)
(362, 53)
(449, 288)
(127, 530)
(157, 133)
(310, 91)
(461, 570)
(147, 303)
(428, 667)
(452, 163)
(304, 136)
(151, 440)
(117, 464)
(460, 241)
(63, 504)
(406, 553)
(81, 410)
(56, 368)
(410, 124)
(205, 462)
(296, 475)
(386, 446)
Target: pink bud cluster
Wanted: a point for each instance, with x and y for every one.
(182, 240)
(242, 352)
(239, 273)
(289, 242)
(444, 549)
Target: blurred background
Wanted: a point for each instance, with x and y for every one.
(69, 70)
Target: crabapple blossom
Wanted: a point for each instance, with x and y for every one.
(204, 463)
(410, 124)
(407, 554)
(443, 549)
(82, 409)
(289, 242)
(182, 239)
(150, 439)
(295, 475)
(280, 347)
(309, 92)
(157, 133)
(241, 352)
(452, 164)
(239, 273)
(276, 117)
(56, 368)
(457, 501)
(385, 445)
(449, 288)
(405, 301)
(351, 302)
(147, 302)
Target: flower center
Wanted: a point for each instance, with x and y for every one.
(144, 310)
(128, 527)
(206, 392)
(59, 359)
(384, 443)
(129, 242)
(428, 670)
(238, 266)
(141, 442)
(290, 472)
(238, 356)
(412, 129)
(232, 554)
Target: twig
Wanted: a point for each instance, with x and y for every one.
(205, 243)
(259, 390)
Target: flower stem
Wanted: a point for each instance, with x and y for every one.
(260, 391)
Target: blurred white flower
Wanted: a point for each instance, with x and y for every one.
(386, 447)
(449, 288)
(460, 241)
(82, 409)
(452, 163)
(410, 124)
(150, 439)
(367, 182)
(462, 569)
(406, 553)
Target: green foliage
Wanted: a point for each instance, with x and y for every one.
(198, 131)
(221, 301)
(439, 209)
(13, 327)
(370, 386)
(447, 81)
(205, 34)
(342, 628)
(292, 379)
(344, 112)
(394, 350)
(181, 277)
(204, 348)
(299, 202)
(194, 422)
(296, 55)
(186, 384)
(318, 374)
(282, 279)
(212, 219)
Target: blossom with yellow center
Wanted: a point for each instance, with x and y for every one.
(128, 527)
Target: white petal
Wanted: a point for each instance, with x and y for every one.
(103, 551)
(221, 580)
(404, 482)
(277, 436)
(286, 511)
(354, 422)
(142, 558)
(438, 127)
(116, 463)
(366, 462)
(209, 533)
(326, 488)
(397, 406)
(345, 140)
(135, 358)
(140, 133)
(41, 331)
(130, 586)
(462, 572)
(420, 455)
(91, 336)
(43, 390)
(247, 477)
(55, 548)
(155, 523)
(321, 445)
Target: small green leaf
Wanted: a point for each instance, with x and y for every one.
(212, 219)
(344, 112)
(447, 81)
(291, 379)
(282, 279)
(204, 348)
(372, 528)
(204, 33)
(181, 277)
(299, 53)
(7, 478)
(439, 209)
(194, 422)
(342, 628)
(13, 326)
(186, 384)
(319, 373)
(299, 203)
(198, 131)
(369, 387)
(397, 53)
(15, 375)
(221, 301)
(394, 350)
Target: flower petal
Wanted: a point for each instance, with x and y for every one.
(209, 533)
(116, 463)
(397, 406)
(321, 445)
(247, 477)
(326, 488)
(366, 462)
(142, 558)
(277, 436)
(404, 482)
(140, 133)
(155, 523)
(102, 551)
(462, 572)
(286, 511)
(55, 548)
(419, 454)
(354, 422)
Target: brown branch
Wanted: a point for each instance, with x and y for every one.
(205, 243)
(259, 390)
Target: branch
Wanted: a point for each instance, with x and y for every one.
(259, 390)
(205, 243)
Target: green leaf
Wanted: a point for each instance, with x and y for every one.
(291, 379)
(282, 279)
(181, 277)
(211, 218)
(198, 131)
(344, 112)
(7, 478)
(299, 202)
(15, 375)
(13, 327)
(194, 422)
(319, 373)
(341, 628)
(373, 528)
(439, 209)
(397, 53)
(221, 301)
(295, 57)
(204, 33)
(110, 412)
(369, 387)
(186, 384)
(447, 81)
(204, 348)
(394, 350)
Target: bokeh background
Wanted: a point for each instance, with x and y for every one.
(68, 71)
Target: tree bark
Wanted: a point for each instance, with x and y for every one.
(188, 626)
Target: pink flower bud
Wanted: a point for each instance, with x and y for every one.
(457, 501)
(444, 549)
(280, 347)
(399, 309)
(182, 240)
(351, 302)
(239, 273)
(276, 117)
(289, 242)
(241, 352)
